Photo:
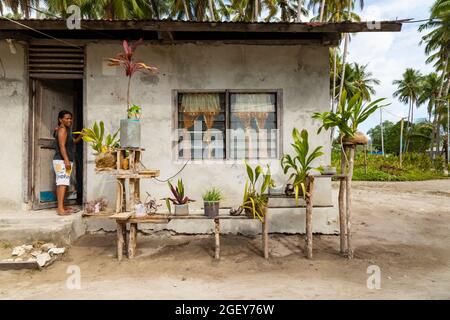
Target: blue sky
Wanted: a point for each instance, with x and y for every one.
(389, 54)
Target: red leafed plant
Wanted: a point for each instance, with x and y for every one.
(178, 193)
(125, 60)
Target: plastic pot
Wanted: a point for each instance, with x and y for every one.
(211, 208)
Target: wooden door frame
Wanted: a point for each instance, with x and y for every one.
(33, 197)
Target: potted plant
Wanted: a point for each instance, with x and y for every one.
(180, 201)
(211, 200)
(103, 147)
(255, 200)
(300, 164)
(130, 128)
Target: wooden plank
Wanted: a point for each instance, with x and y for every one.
(11, 265)
(121, 215)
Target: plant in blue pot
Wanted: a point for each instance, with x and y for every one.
(130, 128)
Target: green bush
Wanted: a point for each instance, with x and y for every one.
(439, 164)
(415, 167)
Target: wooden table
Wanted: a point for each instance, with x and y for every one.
(129, 244)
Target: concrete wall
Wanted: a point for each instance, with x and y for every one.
(13, 110)
(300, 71)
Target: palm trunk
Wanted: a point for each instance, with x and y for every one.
(322, 9)
(299, 10)
(333, 101)
(186, 10)
(344, 60)
(211, 10)
(255, 11)
(405, 149)
(438, 104)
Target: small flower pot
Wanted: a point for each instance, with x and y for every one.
(211, 209)
(181, 209)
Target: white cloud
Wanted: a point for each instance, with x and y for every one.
(389, 54)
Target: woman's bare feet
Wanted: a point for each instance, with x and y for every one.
(63, 212)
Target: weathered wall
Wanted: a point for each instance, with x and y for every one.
(13, 106)
(301, 72)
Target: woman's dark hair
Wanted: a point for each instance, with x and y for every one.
(61, 115)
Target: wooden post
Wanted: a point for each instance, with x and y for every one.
(118, 196)
(132, 243)
(132, 194)
(265, 235)
(342, 222)
(365, 159)
(217, 236)
(137, 190)
(349, 201)
(309, 204)
(120, 240)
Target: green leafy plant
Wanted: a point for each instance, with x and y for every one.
(95, 136)
(179, 196)
(213, 195)
(134, 112)
(255, 201)
(301, 164)
(349, 115)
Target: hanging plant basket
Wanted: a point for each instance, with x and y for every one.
(106, 160)
(358, 139)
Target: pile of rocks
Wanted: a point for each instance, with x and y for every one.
(40, 252)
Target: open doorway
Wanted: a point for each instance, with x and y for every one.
(49, 97)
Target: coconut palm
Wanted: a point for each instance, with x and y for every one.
(408, 90)
(18, 6)
(359, 80)
(250, 10)
(438, 48)
(429, 92)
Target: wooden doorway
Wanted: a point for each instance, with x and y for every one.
(49, 97)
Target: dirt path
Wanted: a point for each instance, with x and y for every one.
(404, 228)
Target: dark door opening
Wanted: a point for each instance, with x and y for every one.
(49, 97)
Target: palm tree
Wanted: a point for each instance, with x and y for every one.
(438, 47)
(408, 91)
(250, 10)
(360, 80)
(429, 92)
(18, 6)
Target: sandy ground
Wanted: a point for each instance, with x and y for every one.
(403, 228)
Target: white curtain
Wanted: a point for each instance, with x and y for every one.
(194, 105)
(249, 106)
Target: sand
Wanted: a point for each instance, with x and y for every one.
(403, 228)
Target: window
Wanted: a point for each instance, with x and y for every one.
(228, 125)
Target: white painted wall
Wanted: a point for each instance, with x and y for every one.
(13, 105)
(300, 71)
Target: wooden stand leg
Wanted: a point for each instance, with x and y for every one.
(132, 194)
(132, 241)
(309, 232)
(265, 235)
(217, 237)
(120, 240)
(342, 222)
(348, 206)
(119, 195)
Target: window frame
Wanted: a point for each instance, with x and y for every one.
(228, 92)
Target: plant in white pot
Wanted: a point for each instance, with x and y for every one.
(211, 201)
(180, 201)
(130, 128)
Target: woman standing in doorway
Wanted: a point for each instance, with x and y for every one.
(63, 159)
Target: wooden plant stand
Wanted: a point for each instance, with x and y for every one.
(129, 244)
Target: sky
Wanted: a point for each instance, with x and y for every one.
(388, 54)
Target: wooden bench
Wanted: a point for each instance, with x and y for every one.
(129, 243)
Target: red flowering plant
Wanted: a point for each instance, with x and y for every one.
(126, 61)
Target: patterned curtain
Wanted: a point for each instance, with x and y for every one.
(249, 106)
(194, 105)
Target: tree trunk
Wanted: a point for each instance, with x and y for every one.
(322, 9)
(348, 205)
(438, 103)
(186, 10)
(299, 10)
(255, 11)
(333, 95)
(344, 60)
(342, 219)
(211, 10)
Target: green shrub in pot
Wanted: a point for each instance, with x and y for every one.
(211, 201)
